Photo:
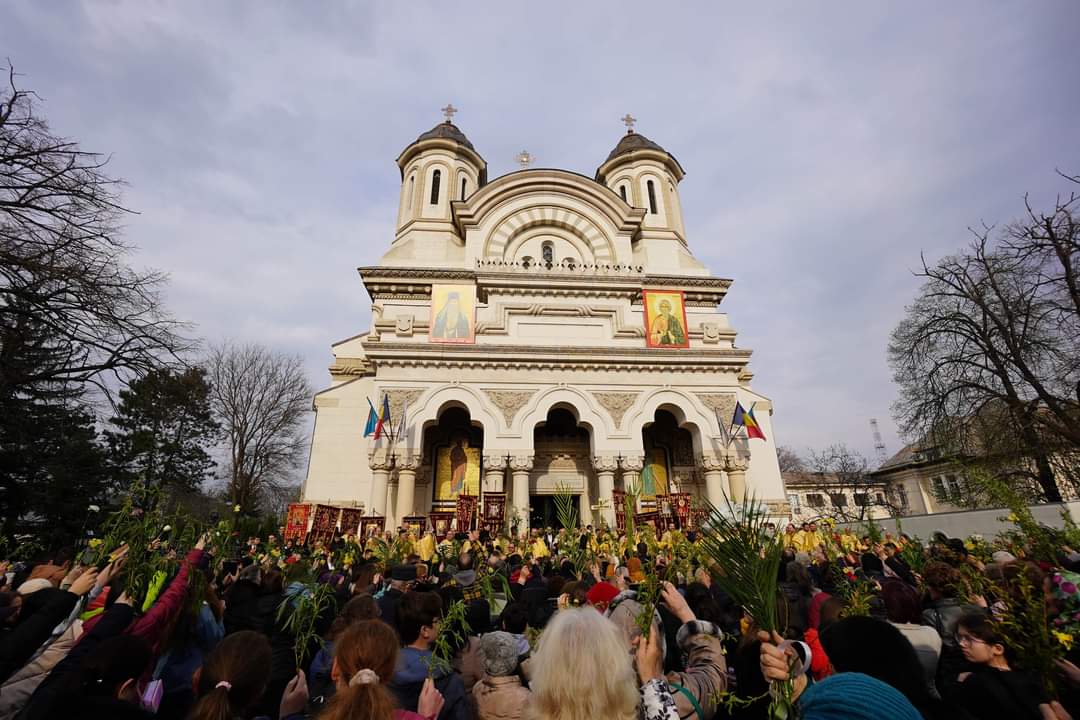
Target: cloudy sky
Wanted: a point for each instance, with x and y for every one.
(826, 145)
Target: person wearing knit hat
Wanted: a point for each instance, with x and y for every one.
(859, 644)
(854, 696)
(601, 594)
(500, 694)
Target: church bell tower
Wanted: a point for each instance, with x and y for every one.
(438, 168)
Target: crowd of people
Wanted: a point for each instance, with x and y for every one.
(573, 624)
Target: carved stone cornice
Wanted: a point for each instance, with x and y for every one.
(632, 463)
(351, 367)
(616, 403)
(605, 463)
(382, 271)
(495, 463)
(509, 401)
(380, 459)
(521, 463)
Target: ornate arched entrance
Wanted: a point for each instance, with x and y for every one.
(561, 465)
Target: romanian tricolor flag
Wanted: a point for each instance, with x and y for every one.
(746, 419)
(384, 417)
(372, 420)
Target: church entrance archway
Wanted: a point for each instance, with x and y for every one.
(562, 465)
(669, 458)
(453, 447)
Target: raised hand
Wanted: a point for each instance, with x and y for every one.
(84, 583)
(295, 697)
(431, 700)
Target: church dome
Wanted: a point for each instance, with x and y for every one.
(632, 141)
(448, 131)
(633, 146)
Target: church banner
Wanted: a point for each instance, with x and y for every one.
(466, 510)
(296, 522)
(350, 521)
(453, 314)
(665, 319)
(325, 523)
(682, 508)
(494, 512)
(372, 526)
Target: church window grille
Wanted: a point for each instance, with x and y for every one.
(547, 254)
(436, 179)
(652, 196)
(464, 185)
(622, 193)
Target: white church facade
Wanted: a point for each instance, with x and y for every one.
(541, 333)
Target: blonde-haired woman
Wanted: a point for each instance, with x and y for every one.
(581, 669)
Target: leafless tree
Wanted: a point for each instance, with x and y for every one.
(988, 357)
(261, 399)
(838, 471)
(790, 461)
(72, 311)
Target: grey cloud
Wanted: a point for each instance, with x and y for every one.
(826, 145)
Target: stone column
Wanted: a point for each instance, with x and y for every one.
(632, 466)
(407, 464)
(605, 467)
(520, 466)
(379, 461)
(713, 468)
(736, 472)
(494, 472)
(391, 502)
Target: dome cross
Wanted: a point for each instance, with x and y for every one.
(448, 112)
(628, 120)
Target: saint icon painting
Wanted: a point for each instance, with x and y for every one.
(665, 319)
(453, 314)
(457, 469)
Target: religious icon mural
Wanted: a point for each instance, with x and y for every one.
(654, 476)
(453, 314)
(665, 319)
(457, 468)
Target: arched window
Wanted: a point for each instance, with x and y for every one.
(436, 178)
(409, 196)
(464, 185)
(652, 196)
(547, 253)
(622, 193)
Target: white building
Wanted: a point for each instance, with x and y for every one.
(508, 322)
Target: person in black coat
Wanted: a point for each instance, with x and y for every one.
(401, 578)
(100, 676)
(40, 613)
